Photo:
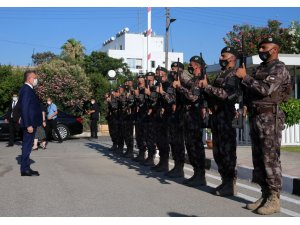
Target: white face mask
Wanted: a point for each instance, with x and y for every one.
(35, 82)
(93, 102)
(49, 103)
(15, 99)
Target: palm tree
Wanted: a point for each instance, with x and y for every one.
(73, 50)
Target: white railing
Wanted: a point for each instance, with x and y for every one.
(290, 135)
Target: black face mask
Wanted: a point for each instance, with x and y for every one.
(191, 70)
(264, 56)
(223, 63)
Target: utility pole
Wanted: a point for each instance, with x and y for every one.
(167, 36)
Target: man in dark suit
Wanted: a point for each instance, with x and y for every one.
(13, 120)
(31, 118)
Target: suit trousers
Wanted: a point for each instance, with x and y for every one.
(26, 149)
(94, 128)
(14, 129)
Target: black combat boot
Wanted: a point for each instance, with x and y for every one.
(198, 179)
(114, 147)
(119, 151)
(216, 189)
(228, 188)
(140, 157)
(149, 161)
(177, 171)
(162, 166)
(128, 153)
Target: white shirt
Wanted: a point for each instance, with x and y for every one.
(13, 105)
(29, 85)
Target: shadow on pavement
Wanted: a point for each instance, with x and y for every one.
(145, 171)
(175, 214)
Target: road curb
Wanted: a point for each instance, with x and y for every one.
(290, 184)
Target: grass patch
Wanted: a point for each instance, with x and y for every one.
(290, 148)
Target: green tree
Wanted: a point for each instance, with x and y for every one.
(294, 31)
(100, 62)
(288, 37)
(10, 83)
(5, 70)
(43, 57)
(100, 85)
(73, 51)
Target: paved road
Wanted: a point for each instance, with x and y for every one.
(82, 178)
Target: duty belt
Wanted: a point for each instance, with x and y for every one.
(259, 109)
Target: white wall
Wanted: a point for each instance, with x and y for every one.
(135, 46)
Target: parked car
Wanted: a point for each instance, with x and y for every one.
(67, 125)
(4, 131)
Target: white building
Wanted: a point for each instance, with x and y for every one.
(133, 49)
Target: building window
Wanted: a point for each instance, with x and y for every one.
(152, 64)
(121, 47)
(131, 63)
(139, 64)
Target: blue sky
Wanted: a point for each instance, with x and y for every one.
(197, 29)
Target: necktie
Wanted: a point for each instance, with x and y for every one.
(13, 106)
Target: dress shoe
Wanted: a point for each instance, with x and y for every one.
(34, 172)
(28, 173)
(9, 145)
(60, 141)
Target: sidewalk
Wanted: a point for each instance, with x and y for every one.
(290, 163)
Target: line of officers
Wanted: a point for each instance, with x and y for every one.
(169, 110)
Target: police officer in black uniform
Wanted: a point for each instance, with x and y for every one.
(224, 93)
(193, 118)
(112, 117)
(94, 118)
(141, 114)
(176, 137)
(130, 117)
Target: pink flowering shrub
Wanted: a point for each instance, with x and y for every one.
(66, 84)
(288, 37)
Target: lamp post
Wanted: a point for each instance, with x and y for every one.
(168, 23)
(111, 76)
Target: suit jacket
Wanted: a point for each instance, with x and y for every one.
(95, 115)
(31, 112)
(16, 112)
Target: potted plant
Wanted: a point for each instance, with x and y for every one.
(209, 142)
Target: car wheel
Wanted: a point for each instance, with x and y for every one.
(63, 131)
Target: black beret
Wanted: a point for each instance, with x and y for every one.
(140, 76)
(177, 64)
(229, 50)
(162, 69)
(122, 86)
(129, 79)
(197, 59)
(269, 40)
(150, 74)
